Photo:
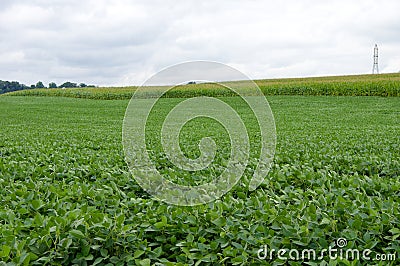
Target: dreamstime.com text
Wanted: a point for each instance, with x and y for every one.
(338, 251)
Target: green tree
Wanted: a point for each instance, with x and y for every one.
(39, 85)
(52, 85)
(68, 85)
(82, 85)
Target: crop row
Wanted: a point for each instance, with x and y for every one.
(361, 85)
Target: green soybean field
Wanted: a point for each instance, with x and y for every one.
(68, 198)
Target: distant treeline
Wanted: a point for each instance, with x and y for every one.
(8, 86)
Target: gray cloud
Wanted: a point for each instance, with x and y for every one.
(124, 42)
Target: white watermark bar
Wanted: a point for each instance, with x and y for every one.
(338, 251)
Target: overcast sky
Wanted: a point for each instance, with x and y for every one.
(125, 42)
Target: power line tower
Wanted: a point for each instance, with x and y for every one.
(375, 69)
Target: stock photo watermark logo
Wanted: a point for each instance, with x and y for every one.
(334, 252)
(145, 101)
